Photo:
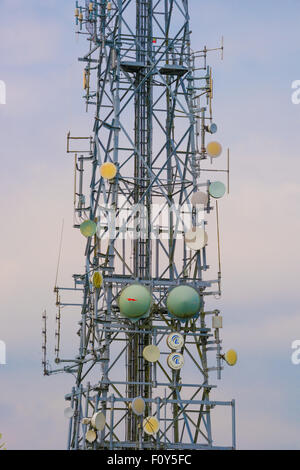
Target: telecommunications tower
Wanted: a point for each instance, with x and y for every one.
(146, 346)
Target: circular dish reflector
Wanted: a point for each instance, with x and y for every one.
(231, 357)
(98, 421)
(69, 413)
(175, 360)
(196, 238)
(175, 341)
(88, 228)
(151, 353)
(183, 302)
(217, 189)
(97, 280)
(199, 198)
(214, 149)
(151, 425)
(138, 406)
(108, 170)
(212, 128)
(134, 301)
(91, 436)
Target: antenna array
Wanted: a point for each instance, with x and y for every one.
(146, 344)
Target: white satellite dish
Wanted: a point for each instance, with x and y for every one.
(175, 341)
(69, 412)
(151, 353)
(196, 238)
(98, 421)
(91, 436)
(175, 361)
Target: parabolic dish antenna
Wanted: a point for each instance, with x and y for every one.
(175, 341)
(217, 189)
(151, 353)
(91, 436)
(196, 238)
(134, 301)
(108, 170)
(183, 302)
(88, 228)
(151, 425)
(98, 421)
(212, 128)
(231, 357)
(138, 406)
(214, 149)
(97, 280)
(175, 361)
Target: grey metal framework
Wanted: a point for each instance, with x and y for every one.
(152, 98)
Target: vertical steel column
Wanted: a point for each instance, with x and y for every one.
(138, 369)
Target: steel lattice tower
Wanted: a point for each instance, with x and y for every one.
(152, 104)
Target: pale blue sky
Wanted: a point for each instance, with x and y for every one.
(260, 218)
